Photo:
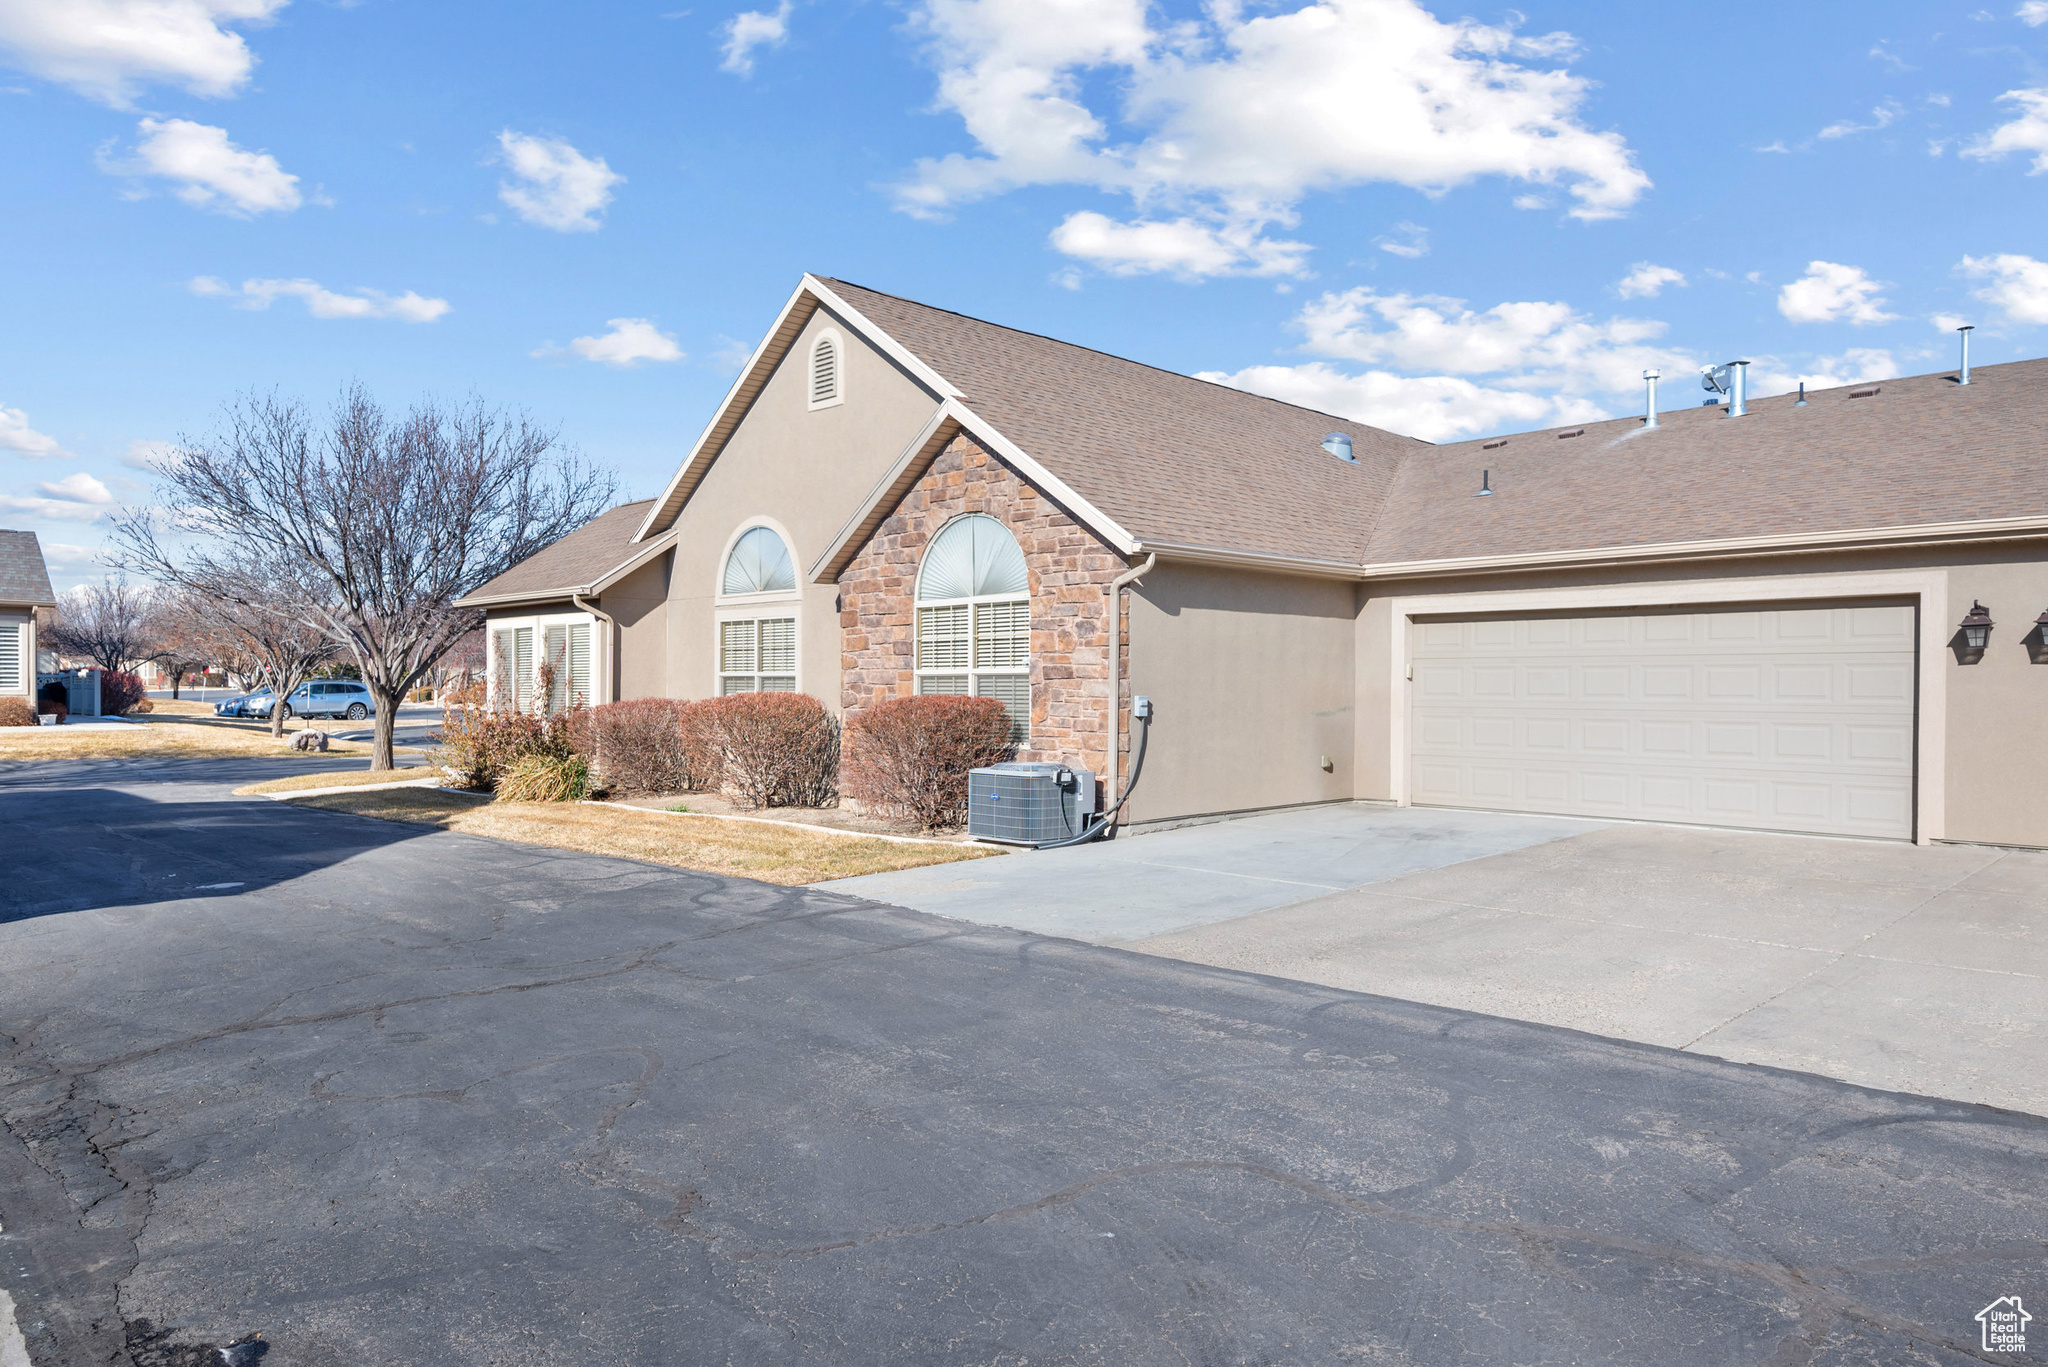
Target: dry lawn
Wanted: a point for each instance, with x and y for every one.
(347, 778)
(743, 849)
(154, 734)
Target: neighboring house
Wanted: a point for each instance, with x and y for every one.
(24, 587)
(1747, 621)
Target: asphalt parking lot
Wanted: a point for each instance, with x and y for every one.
(391, 1096)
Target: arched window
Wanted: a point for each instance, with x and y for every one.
(827, 384)
(759, 563)
(974, 617)
(757, 647)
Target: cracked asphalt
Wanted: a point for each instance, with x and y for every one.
(382, 1095)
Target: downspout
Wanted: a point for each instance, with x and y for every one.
(610, 640)
(1116, 656)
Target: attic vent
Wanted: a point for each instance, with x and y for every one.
(825, 371)
(1864, 393)
(1494, 445)
(1575, 432)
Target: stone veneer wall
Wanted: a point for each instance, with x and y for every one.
(1070, 573)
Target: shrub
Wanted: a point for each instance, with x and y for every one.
(120, 691)
(545, 778)
(16, 712)
(909, 757)
(479, 745)
(771, 749)
(639, 745)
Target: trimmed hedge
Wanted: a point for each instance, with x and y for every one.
(16, 712)
(120, 691)
(639, 746)
(769, 749)
(909, 757)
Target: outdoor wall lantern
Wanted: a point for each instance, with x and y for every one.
(1977, 626)
(2041, 635)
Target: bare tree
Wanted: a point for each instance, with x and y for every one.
(107, 623)
(394, 518)
(183, 639)
(258, 606)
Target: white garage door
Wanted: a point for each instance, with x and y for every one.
(1794, 719)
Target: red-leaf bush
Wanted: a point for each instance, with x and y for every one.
(769, 749)
(478, 745)
(16, 712)
(909, 757)
(120, 691)
(639, 746)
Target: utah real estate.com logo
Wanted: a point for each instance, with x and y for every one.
(2005, 1325)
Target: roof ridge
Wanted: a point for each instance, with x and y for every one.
(1111, 355)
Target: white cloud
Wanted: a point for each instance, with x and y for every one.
(1183, 246)
(147, 455)
(79, 487)
(2027, 133)
(210, 172)
(60, 555)
(2018, 288)
(1406, 239)
(555, 185)
(1226, 123)
(322, 302)
(1647, 281)
(1432, 407)
(2033, 12)
(1515, 364)
(1857, 365)
(751, 29)
(630, 341)
(18, 438)
(1830, 292)
(109, 49)
(1881, 117)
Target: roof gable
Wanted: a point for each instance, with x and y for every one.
(581, 562)
(24, 578)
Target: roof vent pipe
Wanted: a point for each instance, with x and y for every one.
(1650, 378)
(1738, 388)
(1964, 332)
(1339, 445)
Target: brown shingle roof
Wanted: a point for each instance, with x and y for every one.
(1171, 459)
(577, 561)
(1921, 450)
(24, 579)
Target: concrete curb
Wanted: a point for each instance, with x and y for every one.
(361, 788)
(802, 826)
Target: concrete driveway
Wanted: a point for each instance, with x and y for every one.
(1921, 969)
(389, 1095)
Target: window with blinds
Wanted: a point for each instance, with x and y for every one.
(522, 669)
(974, 618)
(10, 657)
(757, 655)
(825, 370)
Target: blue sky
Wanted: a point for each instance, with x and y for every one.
(1446, 221)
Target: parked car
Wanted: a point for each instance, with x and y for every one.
(245, 705)
(327, 698)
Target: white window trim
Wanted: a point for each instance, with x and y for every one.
(740, 607)
(838, 365)
(971, 670)
(538, 623)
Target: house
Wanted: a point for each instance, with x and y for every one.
(24, 587)
(1752, 620)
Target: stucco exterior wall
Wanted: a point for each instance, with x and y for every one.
(1252, 682)
(1070, 571)
(803, 471)
(638, 607)
(1987, 714)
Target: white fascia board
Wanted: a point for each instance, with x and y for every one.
(1095, 519)
(656, 547)
(731, 395)
(1987, 529)
(1253, 560)
(862, 324)
(764, 354)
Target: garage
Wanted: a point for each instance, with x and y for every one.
(1791, 718)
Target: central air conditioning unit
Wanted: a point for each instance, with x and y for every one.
(1029, 804)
